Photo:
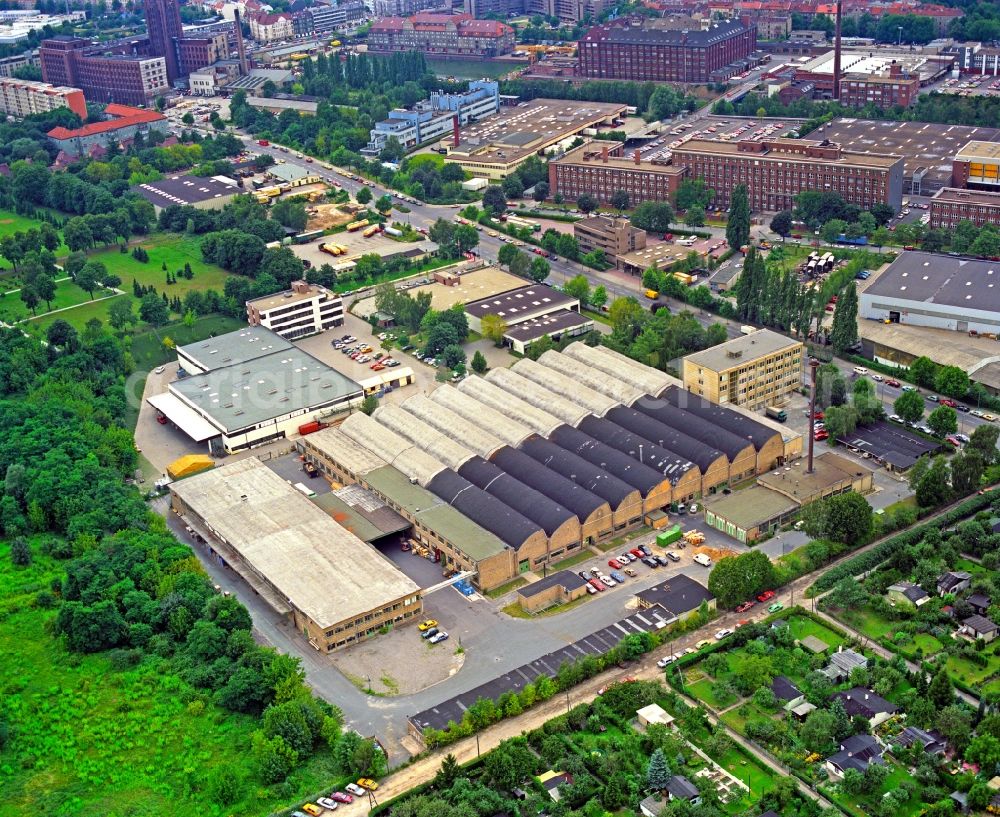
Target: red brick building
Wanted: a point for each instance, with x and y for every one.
(637, 48)
(449, 34)
(888, 90)
(776, 172)
(951, 205)
(125, 78)
(601, 170)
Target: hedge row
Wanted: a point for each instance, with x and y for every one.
(870, 559)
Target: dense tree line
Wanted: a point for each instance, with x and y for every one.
(130, 587)
(658, 101)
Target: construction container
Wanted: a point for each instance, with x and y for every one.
(309, 428)
(669, 536)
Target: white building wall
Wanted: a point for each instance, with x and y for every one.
(935, 316)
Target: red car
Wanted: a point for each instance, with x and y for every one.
(614, 564)
(893, 383)
(745, 606)
(947, 401)
(818, 415)
(637, 553)
(821, 435)
(341, 797)
(767, 595)
(953, 440)
(596, 584)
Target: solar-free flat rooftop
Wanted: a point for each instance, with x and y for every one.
(740, 350)
(233, 348)
(940, 279)
(889, 443)
(518, 304)
(282, 382)
(183, 190)
(556, 322)
(321, 568)
(921, 144)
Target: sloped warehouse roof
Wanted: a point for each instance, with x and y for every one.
(536, 506)
(616, 389)
(667, 437)
(505, 427)
(694, 426)
(594, 478)
(554, 485)
(482, 508)
(553, 380)
(472, 435)
(423, 435)
(539, 421)
(739, 424)
(628, 469)
(338, 446)
(540, 397)
(392, 447)
(669, 463)
(645, 378)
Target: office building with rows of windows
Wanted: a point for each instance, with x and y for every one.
(775, 172)
(602, 170)
(305, 309)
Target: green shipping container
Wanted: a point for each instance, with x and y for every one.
(668, 537)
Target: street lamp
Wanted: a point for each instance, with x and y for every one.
(899, 36)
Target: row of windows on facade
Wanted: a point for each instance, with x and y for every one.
(360, 620)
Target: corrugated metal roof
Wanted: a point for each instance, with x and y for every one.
(556, 381)
(697, 427)
(702, 455)
(554, 485)
(669, 463)
(584, 473)
(645, 378)
(485, 510)
(623, 466)
(506, 428)
(539, 421)
(423, 435)
(735, 422)
(617, 390)
(538, 396)
(538, 507)
(445, 420)
(395, 449)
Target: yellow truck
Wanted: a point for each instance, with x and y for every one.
(354, 226)
(332, 249)
(652, 294)
(370, 231)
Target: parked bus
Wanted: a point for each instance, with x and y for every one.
(305, 238)
(776, 413)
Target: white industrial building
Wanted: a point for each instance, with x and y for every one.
(433, 118)
(531, 313)
(939, 291)
(305, 309)
(251, 387)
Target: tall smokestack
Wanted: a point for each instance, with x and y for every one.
(240, 47)
(836, 54)
(813, 366)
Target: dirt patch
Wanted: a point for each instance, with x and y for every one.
(6, 221)
(325, 216)
(715, 554)
(399, 663)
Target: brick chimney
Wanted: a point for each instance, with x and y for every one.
(604, 154)
(636, 157)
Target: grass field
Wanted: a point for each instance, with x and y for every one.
(163, 248)
(862, 806)
(803, 626)
(91, 740)
(68, 294)
(148, 349)
(11, 222)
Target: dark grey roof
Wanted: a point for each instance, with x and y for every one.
(932, 741)
(979, 600)
(529, 299)
(940, 279)
(564, 578)
(669, 463)
(668, 437)
(551, 483)
(610, 459)
(680, 787)
(784, 689)
(888, 442)
(482, 508)
(584, 473)
(732, 421)
(861, 701)
(980, 624)
(647, 34)
(679, 594)
(951, 579)
(693, 426)
(534, 505)
(856, 752)
(551, 324)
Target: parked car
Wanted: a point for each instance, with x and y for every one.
(596, 585)
(439, 637)
(892, 382)
(667, 659)
(585, 575)
(607, 581)
(313, 809)
(703, 560)
(702, 644)
(433, 631)
(767, 595)
(618, 577)
(673, 556)
(725, 632)
(625, 558)
(638, 553)
(646, 549)
(327, 803)
(341, 797)
(426, 625)
(742, 608)
(776, 607)
(661, 560)
(649, 561)
(614, 564)
(953, 440)
(368, 783)
(354, 789)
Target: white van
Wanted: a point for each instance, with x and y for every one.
(703, 560)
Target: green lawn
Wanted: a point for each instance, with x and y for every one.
(969, 566)
(11, 222)
(91, 740)
(862, 806)
(973, 674)
(803, 626)
(758, 778)
(148, 349)
(68, 294)
(704, 690)
(163, 248)
(870, 623)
